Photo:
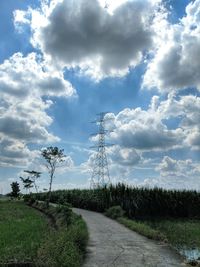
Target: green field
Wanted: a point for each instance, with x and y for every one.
(27, 237)
(22, 231)
(179, 232)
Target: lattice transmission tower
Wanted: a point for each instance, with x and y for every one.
(100, 174)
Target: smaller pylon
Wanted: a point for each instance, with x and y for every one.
(100, 174)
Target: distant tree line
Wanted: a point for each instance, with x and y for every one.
(136, 202)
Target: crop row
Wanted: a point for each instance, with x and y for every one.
(137, 202)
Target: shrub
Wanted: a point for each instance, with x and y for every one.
(115, 212)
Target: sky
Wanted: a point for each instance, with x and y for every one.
(64, 61)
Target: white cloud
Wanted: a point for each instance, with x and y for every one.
(127, 157)
(176, 61)
(21, 76)
(144, 130)
(24, 81)
(187, 109)
(168, 124)
(14, 153)
(178, 168)
(101, 42)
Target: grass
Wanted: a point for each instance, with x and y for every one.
(183, 235)
(65, 247)
(22, 230)
(25, 236)
(142, 228)
(179, 232)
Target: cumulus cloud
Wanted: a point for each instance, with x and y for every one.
(87, 35)
(173, 174)
(24, 81)
(187, 110)
(144, 130)
(127, 157)
(166, 124)
(24, 76)
(14, 153)
(178, 168)
(176, 61)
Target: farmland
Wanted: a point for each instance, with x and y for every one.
(22, 231)
(138, 203)
(26, 237)
(156, 213)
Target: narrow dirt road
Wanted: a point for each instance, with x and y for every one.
(113, 245)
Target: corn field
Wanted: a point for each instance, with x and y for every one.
(136, 202)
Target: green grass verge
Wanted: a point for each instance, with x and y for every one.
(142, 228)
(65, 247)
(22, 231)
(25, 236)
(179, 232)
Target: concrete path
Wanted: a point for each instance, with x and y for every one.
(113, 245)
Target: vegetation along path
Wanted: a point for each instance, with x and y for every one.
(113, 245)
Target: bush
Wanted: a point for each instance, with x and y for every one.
(63, 214)
(29, 199)
(115, 212)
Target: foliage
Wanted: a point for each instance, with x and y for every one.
(34, 175)
(141, 203)
(114, 212)
(53, 156)
(27, 183)
(15, 193)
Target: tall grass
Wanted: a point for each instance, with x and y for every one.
(136, 202)
(65, 247)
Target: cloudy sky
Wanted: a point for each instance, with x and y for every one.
(64, 61)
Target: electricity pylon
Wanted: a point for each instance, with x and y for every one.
(100, 174)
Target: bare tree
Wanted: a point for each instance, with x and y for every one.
(53, 156)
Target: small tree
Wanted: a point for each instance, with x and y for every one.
(15, 190)
(27, 183)
(53, 156)
(34, 175)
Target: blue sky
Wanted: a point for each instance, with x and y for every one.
(64, 61)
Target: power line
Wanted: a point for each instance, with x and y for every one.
(100, 174)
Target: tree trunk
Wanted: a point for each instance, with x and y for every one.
(49, 193)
